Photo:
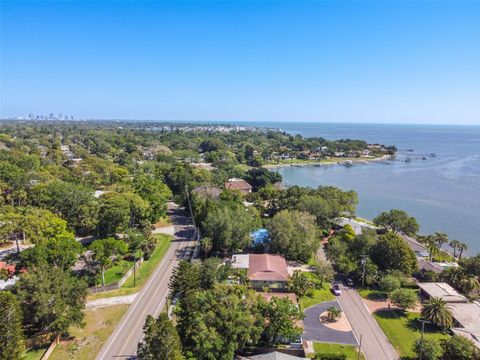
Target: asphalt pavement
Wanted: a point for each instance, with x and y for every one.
(374, 343)
(151, 300)
(314, 330)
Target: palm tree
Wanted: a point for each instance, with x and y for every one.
(432, 246)
(441, 239)
(454, 244)
(462, 247)
(469, 284)
(333, 313)
(437, 312)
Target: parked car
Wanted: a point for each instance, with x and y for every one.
(336, 289)
(350, 282)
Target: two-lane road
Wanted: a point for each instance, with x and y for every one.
(152, 298)
(374, 343)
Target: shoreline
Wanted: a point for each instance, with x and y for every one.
(297, 163)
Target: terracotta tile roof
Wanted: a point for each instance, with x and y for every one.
(267, 267)
(238, 184)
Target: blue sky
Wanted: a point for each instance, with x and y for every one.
(399, 62)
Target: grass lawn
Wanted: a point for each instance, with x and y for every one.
(403, 330)
(318, 296)
(35, 353)
(349, 350)
(143, 273)
(371, 294)
(115, 273)
(86, 342)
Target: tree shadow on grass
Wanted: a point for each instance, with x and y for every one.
(377, 295)
(390, 314)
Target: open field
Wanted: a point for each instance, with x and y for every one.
(143, 273)
(86, 343)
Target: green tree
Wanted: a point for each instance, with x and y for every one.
(437, 312)
(392, 253)
(62, 253)
(293, 234)
(161, 340)
(51, 299)
(389, 283)
(12, 345)
(261, 177)
(299, 283)
(72, 202)
(427, 349)
(229, 226)
(280, 315)
(185, 277)
(404, 298)
(323, 271)
(457, 347)
(226, 319)
(104, 251)
(397, 221)
(155, 192)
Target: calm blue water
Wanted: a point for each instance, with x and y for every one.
(443, 193)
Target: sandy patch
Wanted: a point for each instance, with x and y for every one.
(375, 305)
(340, 324)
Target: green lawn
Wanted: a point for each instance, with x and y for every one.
(349, 350)
(318, 296)
(143, 273)
(403, 330)
(371, 294)
(36, 353)
(115, 273)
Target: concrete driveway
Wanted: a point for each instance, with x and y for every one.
(314, 330)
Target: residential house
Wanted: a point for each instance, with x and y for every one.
(267, 270)
(238, 184)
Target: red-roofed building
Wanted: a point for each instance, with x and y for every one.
(267, 270)
(238, 184)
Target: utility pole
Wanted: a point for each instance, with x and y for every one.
(363, 262)
(360, 347)
(423, 321)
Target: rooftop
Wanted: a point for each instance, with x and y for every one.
(467, 316)
(240, 261)
(274, 356)
(267, 267)
(443, 291)
(237, 184)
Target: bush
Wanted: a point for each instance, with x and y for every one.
(430, 349)
(404, 298)
(389, 283)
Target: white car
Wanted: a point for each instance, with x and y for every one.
(336, 289)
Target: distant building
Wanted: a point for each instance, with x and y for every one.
(276, 355)
(238, 184)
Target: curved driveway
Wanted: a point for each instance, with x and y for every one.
(314, 330)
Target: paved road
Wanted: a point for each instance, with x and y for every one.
(314, 330)
(151, 300)
(374, 343)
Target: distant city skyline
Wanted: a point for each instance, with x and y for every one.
(369, 62)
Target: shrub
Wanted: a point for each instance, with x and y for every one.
(330, 356)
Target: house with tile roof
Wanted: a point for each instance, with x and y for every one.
(267, 270)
